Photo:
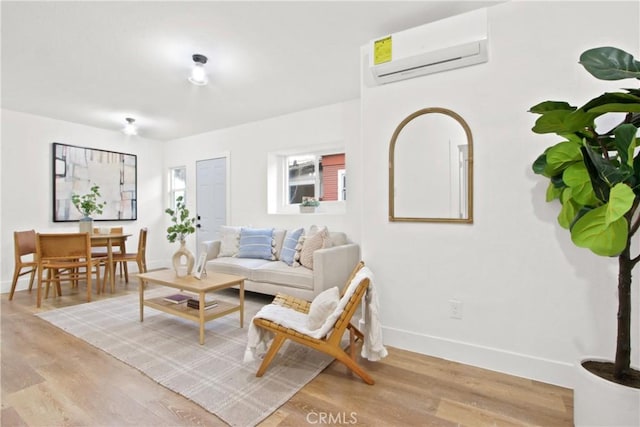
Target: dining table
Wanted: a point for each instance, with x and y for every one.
(109, 240)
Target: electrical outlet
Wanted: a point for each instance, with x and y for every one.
(455, 309)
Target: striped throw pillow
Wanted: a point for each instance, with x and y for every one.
(256, 243)
(290, 251)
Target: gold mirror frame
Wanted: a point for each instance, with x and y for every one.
(392, 147)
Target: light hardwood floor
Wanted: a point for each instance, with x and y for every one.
(50, 378)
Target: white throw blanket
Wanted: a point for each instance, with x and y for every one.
(371, 328)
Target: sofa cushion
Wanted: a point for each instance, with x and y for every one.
(229, 240)
(280, 273)
(290, 252)
(313, 242)
(321, 307)
(338, 238)
(238, 266)
(256, 243)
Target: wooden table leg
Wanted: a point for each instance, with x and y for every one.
(141, 289)
(201, 320)
(90, 283)
(242, 304)
(112, 279)
(39, 293)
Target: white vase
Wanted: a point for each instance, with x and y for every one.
(85, 224)
(599, 402)
(183, 260)
(307, 209)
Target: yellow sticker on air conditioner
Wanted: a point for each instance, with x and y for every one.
(382, 50)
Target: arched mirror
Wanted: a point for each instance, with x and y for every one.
(431, 168)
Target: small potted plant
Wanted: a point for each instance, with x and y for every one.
(183, 260)
(88, 205)
(309, 205)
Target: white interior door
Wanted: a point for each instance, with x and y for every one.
(211, 198)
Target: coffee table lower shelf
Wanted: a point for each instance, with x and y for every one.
(186, 312)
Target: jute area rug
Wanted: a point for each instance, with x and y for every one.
(165, 348)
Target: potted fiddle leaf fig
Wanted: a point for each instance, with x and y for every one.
(594, 172)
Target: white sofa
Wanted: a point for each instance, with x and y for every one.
(331, 267)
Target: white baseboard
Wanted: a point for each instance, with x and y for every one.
(23, 284)
(521, 365)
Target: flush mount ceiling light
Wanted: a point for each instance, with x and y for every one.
(198, 74)
(130, 128)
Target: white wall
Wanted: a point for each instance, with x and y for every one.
(247, 147)
(26, 180)
(532, 302)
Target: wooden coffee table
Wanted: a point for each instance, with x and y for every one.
(211, 283)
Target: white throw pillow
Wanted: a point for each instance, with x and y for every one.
(278, 240)
(321, 307)
(229, 240)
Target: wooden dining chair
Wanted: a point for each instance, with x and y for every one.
(65, 257)
(24, 244)
(103, 253)
(139, 257)
(329, 344)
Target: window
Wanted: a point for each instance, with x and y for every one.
(177, 184)
(294, 175)
(320, 176)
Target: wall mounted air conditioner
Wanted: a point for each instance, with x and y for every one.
(454, 42)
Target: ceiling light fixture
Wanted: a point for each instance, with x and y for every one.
(130, 128)
(198, 74)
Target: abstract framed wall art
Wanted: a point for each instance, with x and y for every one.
(77, 169)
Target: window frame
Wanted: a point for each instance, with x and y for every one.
(278, 182)
(172, 190)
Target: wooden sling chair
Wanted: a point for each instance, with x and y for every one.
(330, 344)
